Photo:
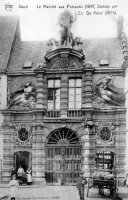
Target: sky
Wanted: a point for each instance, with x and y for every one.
(40, 23)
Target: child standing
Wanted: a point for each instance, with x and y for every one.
(29, 177)
(13, 184)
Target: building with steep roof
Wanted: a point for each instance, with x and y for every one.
(65, 109)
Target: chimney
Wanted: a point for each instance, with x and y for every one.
(120, 27)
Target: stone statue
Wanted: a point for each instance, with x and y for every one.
(77, 44)
(109, 93)
(65, 21)
(25, 96)
(52, 44)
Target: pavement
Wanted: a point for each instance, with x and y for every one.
(36, 192)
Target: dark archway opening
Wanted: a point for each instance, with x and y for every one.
(22, 158)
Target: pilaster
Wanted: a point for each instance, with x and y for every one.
(41, 89)
(64, 96)
(38, 154)
(86, 146)
(87, 85)
(8, 150)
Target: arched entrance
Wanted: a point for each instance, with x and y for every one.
(63, 157)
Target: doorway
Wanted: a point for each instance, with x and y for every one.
(63, 157)
(22, 158)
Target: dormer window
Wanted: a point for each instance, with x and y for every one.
(103, 63)
(27, 65)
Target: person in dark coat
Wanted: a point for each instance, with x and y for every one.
(80, 185)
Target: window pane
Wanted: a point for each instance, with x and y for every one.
(57, 99)
(78, 105)
(57, 106)
(57, 83)
(78, 91)
(57, 91)
(57, 95)
(78, 82)
(50, 94)
(71, 98)
(50, 83)
(50, 105)
(78, 97)
(71, 82)
(71, 91)
(71, 104)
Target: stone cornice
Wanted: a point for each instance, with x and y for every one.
(96, 71)
(20, 73)
(108, 70)
(111, 110)
(22, 111)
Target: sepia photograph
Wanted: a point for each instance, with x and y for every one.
(63, 100)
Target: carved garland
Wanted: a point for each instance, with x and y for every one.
(23, 135)
(105, 134)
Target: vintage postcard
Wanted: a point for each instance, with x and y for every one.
(63, 99)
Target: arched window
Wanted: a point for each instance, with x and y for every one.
(63, 136)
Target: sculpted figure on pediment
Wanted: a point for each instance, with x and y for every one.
(77, 44)
(108, 93)
(52, 45)
(24, 96)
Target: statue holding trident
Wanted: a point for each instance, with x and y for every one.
(65, 21)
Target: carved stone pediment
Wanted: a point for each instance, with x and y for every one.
(64, 59)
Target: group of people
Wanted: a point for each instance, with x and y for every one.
(17, 178)
(21, 175)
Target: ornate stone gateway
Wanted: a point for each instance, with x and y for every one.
(63, 157)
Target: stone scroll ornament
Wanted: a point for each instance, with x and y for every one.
(108, 93)
(24, 96)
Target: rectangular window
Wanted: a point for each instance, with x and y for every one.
(104, 160)
(54, 94)
(74, 95)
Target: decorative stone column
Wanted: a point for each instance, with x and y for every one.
(85, 138)
(87, 85)
(64, 96)
(38, 154)
(8, 148)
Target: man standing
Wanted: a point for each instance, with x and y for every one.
(80, 185)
